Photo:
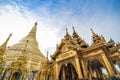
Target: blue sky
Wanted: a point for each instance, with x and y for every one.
(53, 16)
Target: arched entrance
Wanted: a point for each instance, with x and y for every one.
(95, 69)
(16, 76)
(68, 72)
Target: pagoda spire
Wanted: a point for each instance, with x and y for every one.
(93, 33)
(95, 37)
(57, 46)
(3, 46)
(79, 40)
(75, 34)
(67, 33)
(67, 36)
(33, 30)
(47, 54)
(73, 30)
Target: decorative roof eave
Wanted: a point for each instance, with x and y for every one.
(57, 50)
(92, 47)
(97, 38)
(55, 54)
(115, 48)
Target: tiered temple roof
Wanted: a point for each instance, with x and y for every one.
(76, 42)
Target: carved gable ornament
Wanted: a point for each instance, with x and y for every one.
(64, 48)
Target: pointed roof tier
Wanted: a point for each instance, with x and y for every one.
(93, 33)
(67, 36)
(111, 43)
(75, 34)
(79, 40)
(96, 38)
(32, 45)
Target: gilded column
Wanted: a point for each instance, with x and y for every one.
(63, 73)
(22, 75)
(11, 75)
(98, 74)
(57, 72)
(108, 65)
(78, 68)
(91, 72)
(84, 67)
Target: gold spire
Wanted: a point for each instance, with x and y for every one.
(3, 46)
(47, 54)
(103, 39)
(32, 45)
(75, 35)
(96, 38)
(67, 33)
(67, 36)
(57, 46)
(73, 30)
(92, 32)
(33, 30)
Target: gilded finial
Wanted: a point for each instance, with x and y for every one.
(74, 30)
(92, 31)
(57, 46)
(8, 37)
(102, 37)
(36, 23)
(75, 34)
(33, 30)
(67, 36)
(67, 33)
(47, 55)
(66, 30)
(3, 46)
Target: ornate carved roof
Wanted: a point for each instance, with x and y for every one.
(79, 41)
(68, 43)
(96, 38)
